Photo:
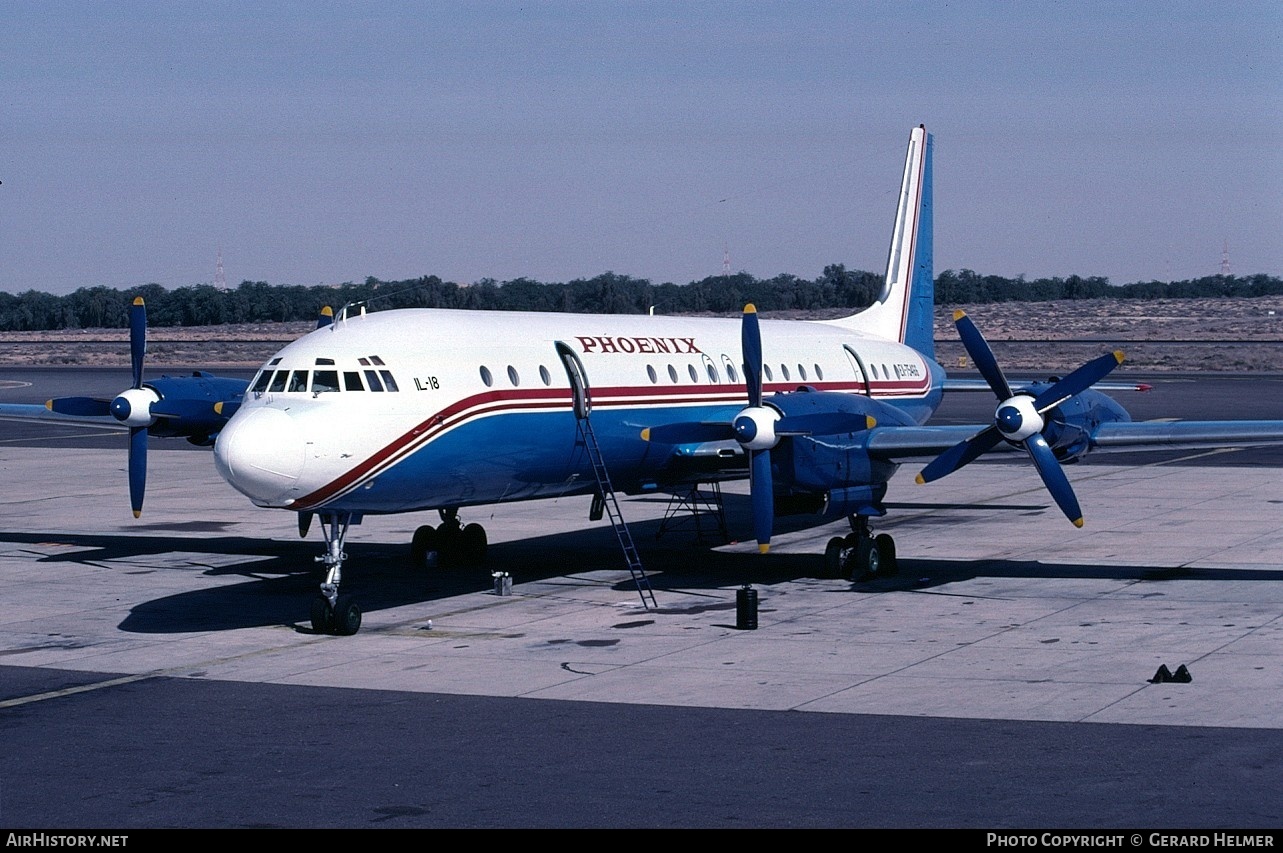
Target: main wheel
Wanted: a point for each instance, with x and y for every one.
(322, 615)
(422, 545)
(347, 617)
(833, 557)
(864, 565)
(472, 544)
(885, 547)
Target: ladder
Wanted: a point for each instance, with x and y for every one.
(606, 497)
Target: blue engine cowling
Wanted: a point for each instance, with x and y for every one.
(1069, 426)
(186, 405)
(831, 473)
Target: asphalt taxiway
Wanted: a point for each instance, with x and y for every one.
(161, 672)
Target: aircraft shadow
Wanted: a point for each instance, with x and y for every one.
(281, 576)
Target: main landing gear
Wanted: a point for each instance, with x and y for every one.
(333, 613)
(860, 555)
(451, 544)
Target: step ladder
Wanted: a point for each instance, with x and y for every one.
(697, 508)
(605, 498)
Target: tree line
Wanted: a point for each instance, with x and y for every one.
(608, 293)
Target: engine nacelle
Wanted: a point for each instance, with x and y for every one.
(1070, 425)
(813, 468)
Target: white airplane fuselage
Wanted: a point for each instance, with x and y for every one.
(483, 411)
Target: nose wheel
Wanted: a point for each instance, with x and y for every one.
(333, 613)
(860, 555)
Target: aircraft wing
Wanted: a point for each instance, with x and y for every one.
(907, 442)
(972, 385)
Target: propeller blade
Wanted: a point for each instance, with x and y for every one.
(960, 454)
(978, 348)
(137, 468)
(691, 432)
(751, 344)
(1078, 381)
(325, 318)
(763, 498)
(137, 338)
(81, 407)
(1054, 478)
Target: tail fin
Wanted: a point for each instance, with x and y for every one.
(904, 310)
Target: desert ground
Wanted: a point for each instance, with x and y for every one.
(1164, 334)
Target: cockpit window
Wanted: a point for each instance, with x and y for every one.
(388, 381)
(298, 381)
(278, 380)
(352, 381)
(372, 379)
(260, 384)
(325, 380)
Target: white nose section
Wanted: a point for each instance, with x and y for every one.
(261, 453)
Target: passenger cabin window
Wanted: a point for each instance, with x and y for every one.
(801, 372)
(485, 376)
(712, 373)
(513, 376)
(545, 375)
(694, 375)
(650, 371)
(766, 368)
(672, 373)
(819, 374)
(784, 369)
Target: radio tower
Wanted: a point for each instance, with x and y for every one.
(1225, 259)
(220, 280)
(726, 261)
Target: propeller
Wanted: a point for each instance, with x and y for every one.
(132, 407)
(1019, 418)
(755, 429)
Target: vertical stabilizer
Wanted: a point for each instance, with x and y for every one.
(904, 310)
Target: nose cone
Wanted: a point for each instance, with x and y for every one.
(261, 453)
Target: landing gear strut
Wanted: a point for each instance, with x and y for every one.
(860, 555)
(453, 543)
(333, 613)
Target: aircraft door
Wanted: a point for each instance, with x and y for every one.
(580, 394)
(860, 372)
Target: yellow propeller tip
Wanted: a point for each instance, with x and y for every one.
(958, 315)
(762, 548)
(327, 311)
(138, 300)
(1118, 355)
(218, 407)
(1078, 522)
(750, 308)
(920, 480)
(138, 513)
(646, 434)
(49, 405)
(870, 422)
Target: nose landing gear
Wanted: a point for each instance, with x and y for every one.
(333, 613)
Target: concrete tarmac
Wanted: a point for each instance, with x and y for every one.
(162, 672)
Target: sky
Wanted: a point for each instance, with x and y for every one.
(316, 143)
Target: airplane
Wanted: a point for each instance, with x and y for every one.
(413, 410)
